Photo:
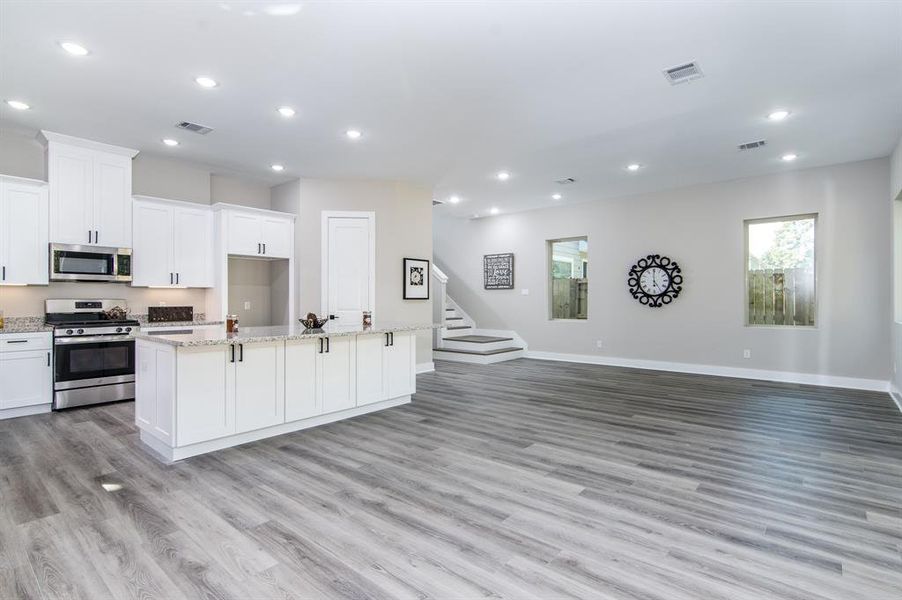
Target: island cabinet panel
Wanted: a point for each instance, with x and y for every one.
(370, 368)
(155, 390)
(301, 399)
(336, 374)
(400, 365)
(259, 385)
(206, 393)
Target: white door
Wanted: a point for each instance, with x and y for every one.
(25, 378)
(152, 259)
(400, 367)
(112, 200)
(245, 234)
(370, 368)
(206, 394)
(193, 247)
(301, 401)
(71, 195)
(23, 238)
(277, 237)
(259, 385)
(349, 268)
(335, 374)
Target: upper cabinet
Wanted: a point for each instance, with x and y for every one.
(90, 191)
(23, 231)
(173, 243)
(257, 232)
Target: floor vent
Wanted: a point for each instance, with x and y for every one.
(189, 126)
(753, 145)
(683, 73)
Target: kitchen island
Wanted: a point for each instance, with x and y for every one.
(205, 389)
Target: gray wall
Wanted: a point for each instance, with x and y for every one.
(896, 323)
(152, 175)
(403, 229)
(702, 228)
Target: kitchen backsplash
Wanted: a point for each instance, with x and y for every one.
(28, 301)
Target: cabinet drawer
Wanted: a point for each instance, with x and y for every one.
(19, 342)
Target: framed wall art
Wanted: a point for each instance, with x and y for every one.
(416, 279)
(499, 271)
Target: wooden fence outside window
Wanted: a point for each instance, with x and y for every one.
(781, 297)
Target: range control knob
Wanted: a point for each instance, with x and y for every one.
(118, 330)
(68, 332)
(127, 329)
(80, 331)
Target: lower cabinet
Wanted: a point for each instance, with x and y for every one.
(259, 385)
(301, 400)
(386, 367)
(26, 378)
(319, 376)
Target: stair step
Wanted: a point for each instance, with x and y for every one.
(454, 318)
(451, 309)
(478, 339)
(455, 327)
(478, 352)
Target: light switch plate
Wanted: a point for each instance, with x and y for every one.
(746, 353)
(247, 305)
(524, 291)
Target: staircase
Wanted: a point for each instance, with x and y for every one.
(459, 339)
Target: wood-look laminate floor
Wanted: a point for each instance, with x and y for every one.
(524, 479)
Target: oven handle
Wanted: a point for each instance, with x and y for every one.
(92, 339)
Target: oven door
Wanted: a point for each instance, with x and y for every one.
(93, 361)
(89, 263)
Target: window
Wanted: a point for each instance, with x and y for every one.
(569, 265)
(780, 273)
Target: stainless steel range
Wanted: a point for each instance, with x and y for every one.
(94, 351)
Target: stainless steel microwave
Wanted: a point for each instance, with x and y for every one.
(90, 263)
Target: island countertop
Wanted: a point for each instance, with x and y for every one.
(249, 335)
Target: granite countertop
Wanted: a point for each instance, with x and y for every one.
(247, 335)
(195, 323)
(24, 325)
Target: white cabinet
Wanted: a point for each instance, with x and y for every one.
(320, 376)
(259, 233)
(173, 244)
(336, 374)
(400, 365)
(23, 232)
(155, 390)
(301, 399)
(26, 379)
(90, 191)
(259, 385)
(386, 367)
(205, 392)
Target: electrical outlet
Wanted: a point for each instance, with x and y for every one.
(247, 305)
(524, 291)
(598, 344)
(746, 353)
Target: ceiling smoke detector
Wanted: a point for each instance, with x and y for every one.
(753, 145)
(565, 181)
(683, 73)
(194, 127)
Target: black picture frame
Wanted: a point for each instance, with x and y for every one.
(409, 289)
(498, 271)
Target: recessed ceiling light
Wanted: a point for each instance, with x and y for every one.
(18, 104)
(453, 199)
(633, 167)
(282, 10)
(778, 115)
(286, 111)
(278, 168)
(353, 134)
(503, 175)
(74, 49)
(494, 210)
(556, 196)
(788, 157)
(474, 216)
(171, 142)
(206, 82)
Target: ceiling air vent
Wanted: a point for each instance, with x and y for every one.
(565, 181)
(189, 126)
(683, 73)
(752, 145)
(436, 202)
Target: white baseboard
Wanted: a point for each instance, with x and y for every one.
(896, 394)
(855, 383)
(24, 411)
(428, 367)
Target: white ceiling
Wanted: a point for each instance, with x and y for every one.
(448, 93)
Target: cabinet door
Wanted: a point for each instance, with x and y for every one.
(400, 367)
(71, 175)
(301, 401)
(112, 200)
(260, 385)
(278, 237)
(25, 378)
(245, 234)
(206, 394)
(155, 389)
(336, 385)
(152, 254)
(193, 247)
(23, 233)
(370, 369)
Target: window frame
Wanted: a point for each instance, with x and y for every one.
(745, 271)
(549, 276)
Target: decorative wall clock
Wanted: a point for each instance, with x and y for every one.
(655, 280)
